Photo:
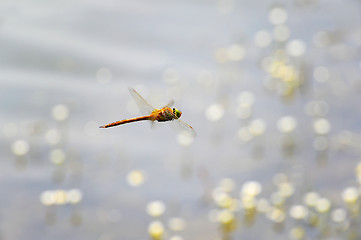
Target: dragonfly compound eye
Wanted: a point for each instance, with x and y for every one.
(177, 113)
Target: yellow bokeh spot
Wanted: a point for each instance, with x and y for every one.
(339, 215)
(20, 147)
(215, 112)
(276, 215)
(263, 205)
(286, 124)
(47, 198)
(136, 178)
(226, 217)
(298, 212)
(248, 202)
(350, 195)
(257, 127)
(321, 126)
(60, 197)
(277, 199)
(156, 230)
(311, 198)
(277, 15)
(251, 188)
(60, 112)
(155, 208)
(286, 189)
(297, 233)
(323, 205)
(57, 156)
(222, 199)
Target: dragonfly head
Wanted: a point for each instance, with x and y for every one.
(177, 113)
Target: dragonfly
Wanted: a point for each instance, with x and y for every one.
(165, 114)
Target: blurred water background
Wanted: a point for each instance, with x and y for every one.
(272, 89)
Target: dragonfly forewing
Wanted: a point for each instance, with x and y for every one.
(169, 104)
(144, 107)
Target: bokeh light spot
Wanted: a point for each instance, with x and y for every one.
(185, 139)
(53, 136)
(321, 74)
(136, 178)
(257, 127)
(214, 112)
(321, 126)
(60, 112)
(47, 198)
(311, 198)
(320, 143)
(323, 205)
(286, 124)
(251, 188)
(74, 196)
(225, 216)
(298, 212)
(350, 195)
(20, 147)
(339, 215)
(276, 215)
(262, 39)
(57, 156)
(296, 48)
(246, 99)
(156, 229)
(60, 197)
(155, 208)
(277, 15)
(297, 233)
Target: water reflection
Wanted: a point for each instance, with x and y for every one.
(274, 101)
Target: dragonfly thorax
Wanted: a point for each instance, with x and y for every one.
(167, 114)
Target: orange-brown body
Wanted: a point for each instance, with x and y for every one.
(160, 115)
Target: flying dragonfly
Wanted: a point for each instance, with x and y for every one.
(165, 114)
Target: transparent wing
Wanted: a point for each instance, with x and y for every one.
(169, 104)
(144, 107)
(182, 127)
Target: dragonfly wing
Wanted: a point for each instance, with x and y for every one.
(182, 127)
(169, 104)
(144, 107)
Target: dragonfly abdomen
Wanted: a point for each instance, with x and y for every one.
(127, 121)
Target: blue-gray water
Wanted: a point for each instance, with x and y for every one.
(84, 55)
